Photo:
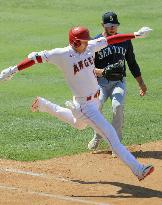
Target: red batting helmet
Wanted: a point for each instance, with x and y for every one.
(76, 34)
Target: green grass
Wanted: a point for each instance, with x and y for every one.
(34, 25)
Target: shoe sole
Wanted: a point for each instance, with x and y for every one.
(148, 173)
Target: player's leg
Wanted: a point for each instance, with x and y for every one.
(63, 114)
(106, 130)
(95, 141)
(117, 97)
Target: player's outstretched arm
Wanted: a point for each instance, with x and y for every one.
(32, 59)
(141, 33)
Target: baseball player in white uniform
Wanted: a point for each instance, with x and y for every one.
(77, 63)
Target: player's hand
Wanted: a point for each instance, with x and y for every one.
(142, 89)
(142, 32)
(8, 73)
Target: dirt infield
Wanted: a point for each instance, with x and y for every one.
(94, 179)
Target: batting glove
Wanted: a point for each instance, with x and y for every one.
(8, 73)
(142, 32)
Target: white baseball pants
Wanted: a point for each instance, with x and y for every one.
(86, 113)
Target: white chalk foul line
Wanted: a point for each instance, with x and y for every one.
(44, 194)
(42, 175)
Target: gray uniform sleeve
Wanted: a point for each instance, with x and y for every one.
(131, 61)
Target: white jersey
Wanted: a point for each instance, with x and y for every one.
(78, 68)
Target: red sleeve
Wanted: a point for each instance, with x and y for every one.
(28, 62)
(119, 38)
(25, 64)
